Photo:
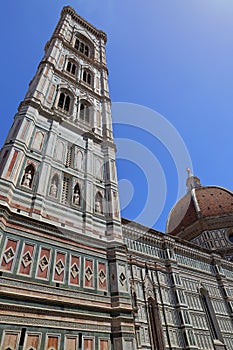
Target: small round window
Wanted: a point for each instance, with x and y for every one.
(231, 237)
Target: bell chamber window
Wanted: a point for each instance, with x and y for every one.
(64, 101)
(71, 67)
(87, 77)
(83, 45)
(85, 111)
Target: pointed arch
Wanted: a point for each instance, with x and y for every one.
(65, 100)
(87, 76)
(71, 67)
(85, 111)
(83, 45)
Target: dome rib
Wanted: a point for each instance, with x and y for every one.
(199, 203)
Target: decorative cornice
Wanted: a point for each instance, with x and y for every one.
(80, 20)
(54, 296)
(74, 313)
(10, 220)
(53, 324)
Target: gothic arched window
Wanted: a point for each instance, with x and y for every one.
(82, 46)
(87, 77)
(71, 67)
(64, 101)
(85, 111)
(28, 176)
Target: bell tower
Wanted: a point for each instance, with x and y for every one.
(58, 161)
(61, 248)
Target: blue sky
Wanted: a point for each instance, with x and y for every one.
(172, 56)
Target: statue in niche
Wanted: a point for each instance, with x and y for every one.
(76, 198)
(98, 204)
(27, 178)
(53, 189)
(76, 195)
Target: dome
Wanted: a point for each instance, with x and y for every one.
(202, 208)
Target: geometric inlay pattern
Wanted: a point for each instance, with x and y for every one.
(88, 273)
(9, 255)
(27, 259)
(43, 263)
(102, 276)
(122, 278)
(59, 266)
(74, 270)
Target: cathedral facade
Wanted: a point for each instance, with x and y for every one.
(74, 275)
